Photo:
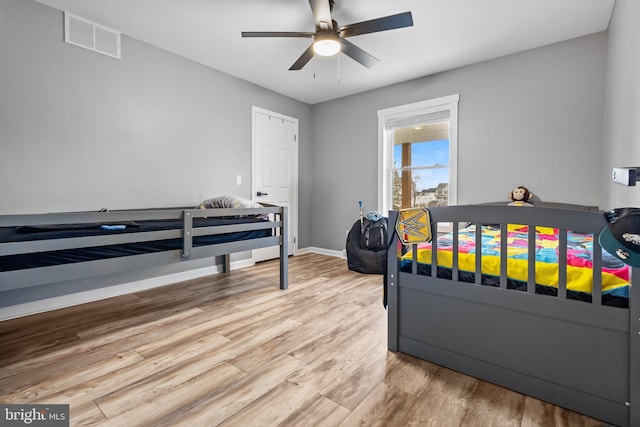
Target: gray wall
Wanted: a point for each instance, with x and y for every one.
(83, 131)
(533, 119)
(622, 112)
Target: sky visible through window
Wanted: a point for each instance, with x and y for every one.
(428, 153)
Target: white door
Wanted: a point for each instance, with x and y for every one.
(275, 170)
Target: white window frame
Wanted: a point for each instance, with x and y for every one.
(385, 144)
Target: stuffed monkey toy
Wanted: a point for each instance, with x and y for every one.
(520, 196)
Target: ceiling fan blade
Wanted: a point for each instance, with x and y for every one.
(276, 34)
(322, 14)
(357, 54)
(302, 61)
(391, 22)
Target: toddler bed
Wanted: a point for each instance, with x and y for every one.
(568, 333)
(39, 249)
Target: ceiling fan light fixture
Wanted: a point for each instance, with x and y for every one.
(326, 43)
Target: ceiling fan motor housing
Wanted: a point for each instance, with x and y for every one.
(326, 43)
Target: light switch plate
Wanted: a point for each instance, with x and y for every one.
(238, 179)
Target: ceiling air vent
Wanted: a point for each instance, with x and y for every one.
(89, 35)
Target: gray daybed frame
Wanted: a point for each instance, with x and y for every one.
(79, 270)
(578, 355)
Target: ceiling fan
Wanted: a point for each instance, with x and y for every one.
(330, 38)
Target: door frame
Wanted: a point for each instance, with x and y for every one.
(293, 173)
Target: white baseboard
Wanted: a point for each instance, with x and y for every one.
(77, 298)
(321, 251)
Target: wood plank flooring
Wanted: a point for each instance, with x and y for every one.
(234, 350)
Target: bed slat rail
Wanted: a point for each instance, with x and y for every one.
(591, 223)
(15, 248)
(434, 258)
(222, 229)
(478, 268)
(455, 272)
(187, 239)
(127, 215)
(503, 256)
(596, 291)
(186, 231)
(31, 246)
(531, 258)
(562, 264)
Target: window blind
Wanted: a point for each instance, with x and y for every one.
(416, 120)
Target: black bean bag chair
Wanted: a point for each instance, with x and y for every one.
(367, 255)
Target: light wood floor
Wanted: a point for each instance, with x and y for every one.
(234, 350)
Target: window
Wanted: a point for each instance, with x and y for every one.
(418, 154)
(421, 166)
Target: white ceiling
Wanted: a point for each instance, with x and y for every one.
(446, 34)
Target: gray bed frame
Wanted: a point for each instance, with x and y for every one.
(577, 355)
(58, 273)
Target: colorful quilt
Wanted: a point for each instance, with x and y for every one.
(615, 274)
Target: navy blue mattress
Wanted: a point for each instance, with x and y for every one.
(47, 232)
